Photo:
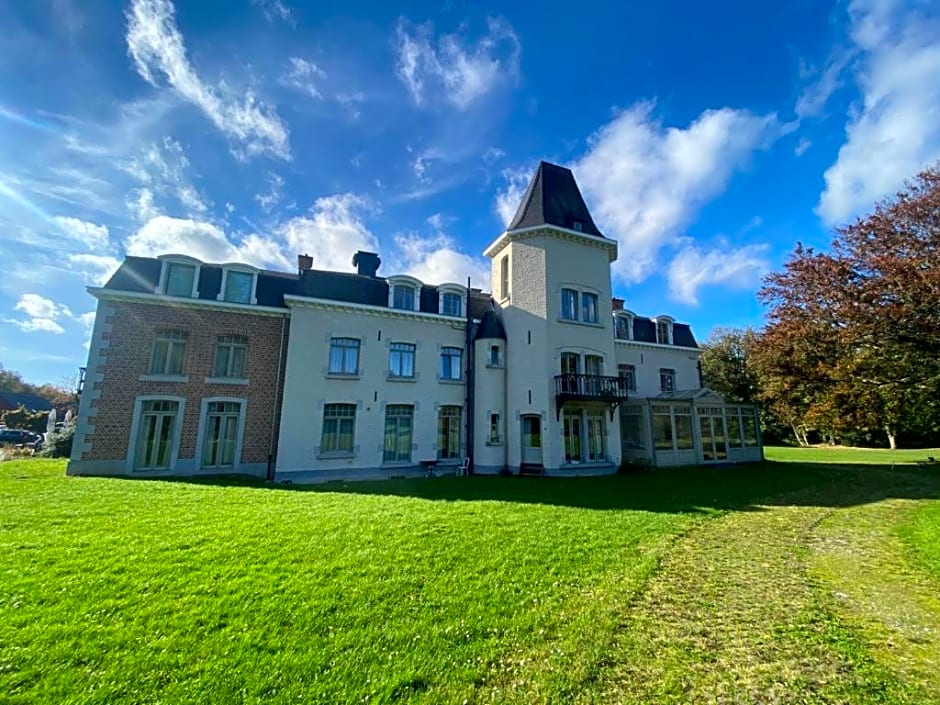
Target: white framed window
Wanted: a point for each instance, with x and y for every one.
(344, 356)
(664, 330)
(239, 284)
(339, 428)
(404, 293)
(448, 433)
(585, 435)
(569, 304)
(179, 276)
(504, 276)
(672, 427)
(169, 351)
(494, 359)
(628, 374)
(221, 434)
(155, 432)
(231, 352)
(593, 365)
(451, 300)
(667, 379)
(450, 363)
(496, 428)
(401, 360)
(588, 307)
(399, 423)
(623, 326)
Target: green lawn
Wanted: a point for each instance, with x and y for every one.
(679, 586)
(841, 454)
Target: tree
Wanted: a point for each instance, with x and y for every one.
(728, 365)
(853, 334)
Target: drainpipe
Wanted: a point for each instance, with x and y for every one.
(278, 396)
(468, 339)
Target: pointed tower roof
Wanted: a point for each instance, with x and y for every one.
(490, 327)
(553, 198)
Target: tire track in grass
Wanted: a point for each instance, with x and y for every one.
(738, 614)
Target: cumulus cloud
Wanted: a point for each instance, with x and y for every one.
(645, 182)
(894, 131)
(156, 46)
(436, 260)
(43, 314)
(333, 231)
(462, 72)
(509, 198)
(94, 269)
(93, 237)
(303, 76)
(692, 268)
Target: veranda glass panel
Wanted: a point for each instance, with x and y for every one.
(631, 428)
(684, 438)
(750, 427)
(735, 438)
(662, 429)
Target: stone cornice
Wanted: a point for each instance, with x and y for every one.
(642, 344)
(551, 231)
(141, 297)
(331, 305)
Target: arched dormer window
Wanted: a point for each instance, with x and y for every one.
(664, 329)
(623, 325)
(451, 300)
(179, 276)
(404, 293)
(239, 284)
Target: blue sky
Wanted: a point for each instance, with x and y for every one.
(707, 137)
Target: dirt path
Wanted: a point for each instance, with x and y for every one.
(769, 606)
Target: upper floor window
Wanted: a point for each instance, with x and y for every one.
(450, 363)
(623, 327)
(401, 360)
(494, 356)
(504, 277)
(577, 225)
(169, 349)
(664, 331)
(588, 307)
(238, 285)
(404, 297)
(230, 354)
(667, 380)
(570, 363)
(344, 356)
(628, 374)
(593, 365)
(180, 279)
(451, 304)
(569, 304)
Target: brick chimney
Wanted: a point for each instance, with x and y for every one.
(366, 263)
(304, 263)
(617, 303)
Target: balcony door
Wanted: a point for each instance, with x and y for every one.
(531, 440)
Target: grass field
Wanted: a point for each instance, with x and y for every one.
(797, 582)
(841, 454)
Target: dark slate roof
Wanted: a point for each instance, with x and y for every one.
(553, 198)
(136, 274)
(682, 335)
(491, 327)
(13, 400)
(644, 330)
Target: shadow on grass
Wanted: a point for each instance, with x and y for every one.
(687, 489)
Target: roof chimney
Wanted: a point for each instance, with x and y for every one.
(304, 263)
(367, 263)
(617, 304)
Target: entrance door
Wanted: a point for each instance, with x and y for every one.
(532, 440)
(714, 438)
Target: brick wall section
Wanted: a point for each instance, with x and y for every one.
(128, 357)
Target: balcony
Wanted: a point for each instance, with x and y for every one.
(611, 390)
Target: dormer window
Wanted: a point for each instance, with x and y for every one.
(623, 325)
(239, 284)
(664, 330)
(576, 225)
(451, 297)
(403, 293)
(179, 276)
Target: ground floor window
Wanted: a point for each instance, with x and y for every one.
(749, 422)
(585, 434)
(733, 416)
(672, 427)
(221, 434)
(399, 421)
(662, 427)
(633, 436)
(682, 417)
(339, 425)
(448, 433)
(155, 435)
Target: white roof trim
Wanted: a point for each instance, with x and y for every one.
(533, 230)
(100, 292)
(660, 346)
(330, 304)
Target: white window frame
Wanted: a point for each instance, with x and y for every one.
(166, 261)
(457, 290)
(404, 280)
(498, 415)
(230, 344)
(576, 310)
(358, 348)
(135, 431)
(414, 360)
(504, 277)
(662, 376)
(627, 316)
(242, 269)
(184, 342)
(631, 368)
(460, 441)
(240, 430)
(669, 321)
(411, 445)
(460, 363)
(338, 453)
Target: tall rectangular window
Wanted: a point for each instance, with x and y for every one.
(588, 307)
(339, 424)
(221, 435)
(403, 297)
(169, 349)
(571, 426)
(632, 429)
(494, 355)
(569, 304)
(180, 279)
(344, 356)
(628, 374)
(663, 334)
(683, 426)
(622, 326)
(496, 435)
(667, 380)
(155, 435)
(230, 354)
(597, 436)
(735, 438)
(504, 277)
(662, 427)
(448, 433)
(450, 304)
(238, 286)
(749, 419)
(450, 363)
(399, 420)
(570, 363)
(401, 360)
(593, 365)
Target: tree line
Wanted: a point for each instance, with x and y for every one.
(850, 352)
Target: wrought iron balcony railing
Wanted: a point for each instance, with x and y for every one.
(591, 387)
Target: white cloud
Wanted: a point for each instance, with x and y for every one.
(813, 99)
(274, 10)
(87, 320)
(802, 146)
(508, 200)
(36, 325)
(894, 132)
(162, 168)
(156, 46)
(333, 232)
(275, 192)
(692, 268)
(43, 314)
(140, 203)
(302, 77)
(95, 269)
(463, 72)
(436, 260)
(645, 182)
(94, 237)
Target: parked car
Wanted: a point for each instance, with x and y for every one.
(20, 438)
